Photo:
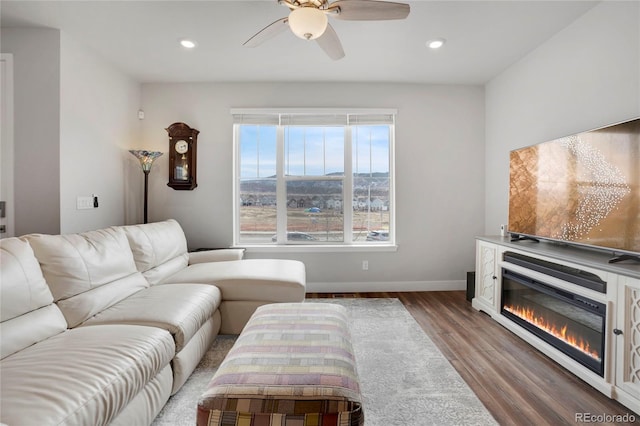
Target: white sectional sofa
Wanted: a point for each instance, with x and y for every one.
(102, 327)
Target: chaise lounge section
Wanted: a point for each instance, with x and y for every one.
(95, 330)
(160, 252)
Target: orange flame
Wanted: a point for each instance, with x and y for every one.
(561, 332)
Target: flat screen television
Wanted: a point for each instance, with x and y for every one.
(581, 189)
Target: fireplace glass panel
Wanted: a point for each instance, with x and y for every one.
(569, 322)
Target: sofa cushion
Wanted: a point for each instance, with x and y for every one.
(87, 272)
(27, 311)
(144, 408)
(181, 309)
(159, 249)
(269, 280)
(84, 376)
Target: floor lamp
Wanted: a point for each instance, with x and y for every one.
(146, 161)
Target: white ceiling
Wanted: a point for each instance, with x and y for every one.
(141, 38)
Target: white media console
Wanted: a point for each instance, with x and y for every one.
(559, 268)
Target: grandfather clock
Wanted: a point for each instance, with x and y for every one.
(182, 156)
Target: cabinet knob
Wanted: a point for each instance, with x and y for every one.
(494, 277)
(617, 332)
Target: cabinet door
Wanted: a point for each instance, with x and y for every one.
(486, 275)
(628, 343)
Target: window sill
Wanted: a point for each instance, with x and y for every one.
(330, 248)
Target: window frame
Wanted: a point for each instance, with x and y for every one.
(283, 117)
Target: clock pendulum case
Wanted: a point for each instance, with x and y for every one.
(182, 156)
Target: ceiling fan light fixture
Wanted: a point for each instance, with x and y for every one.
(308, 23)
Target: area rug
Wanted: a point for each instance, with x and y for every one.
(405, 380)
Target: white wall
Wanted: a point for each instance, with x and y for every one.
(439, 178)
(585, 77)
(75, 117)
(36, 76)
(98, 124)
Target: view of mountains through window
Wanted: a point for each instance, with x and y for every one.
(334, 182)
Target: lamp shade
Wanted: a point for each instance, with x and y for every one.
(146, 157)
(308, 23)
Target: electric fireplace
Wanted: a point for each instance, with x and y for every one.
(567, 321)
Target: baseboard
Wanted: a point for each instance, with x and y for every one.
(364, 287)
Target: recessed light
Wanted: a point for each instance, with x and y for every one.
(188, 44)
(436, 43)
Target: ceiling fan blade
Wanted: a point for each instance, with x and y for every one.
(368, 10)
(268, 32)
(330, 43)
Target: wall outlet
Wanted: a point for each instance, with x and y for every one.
(365, 265)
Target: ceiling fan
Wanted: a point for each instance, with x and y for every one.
(308, 20)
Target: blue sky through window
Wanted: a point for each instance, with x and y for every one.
(257, 151)
(312, 151)
(370, 149)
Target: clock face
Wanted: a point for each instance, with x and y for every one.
(181, 147)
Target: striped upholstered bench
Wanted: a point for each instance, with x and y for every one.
(292, 365)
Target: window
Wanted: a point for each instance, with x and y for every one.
(313, 177)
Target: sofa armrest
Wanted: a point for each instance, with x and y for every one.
(215, 255)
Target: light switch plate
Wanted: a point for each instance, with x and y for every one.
(84, 203)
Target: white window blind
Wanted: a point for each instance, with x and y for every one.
(313, 117)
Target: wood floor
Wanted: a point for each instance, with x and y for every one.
(518, 384)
